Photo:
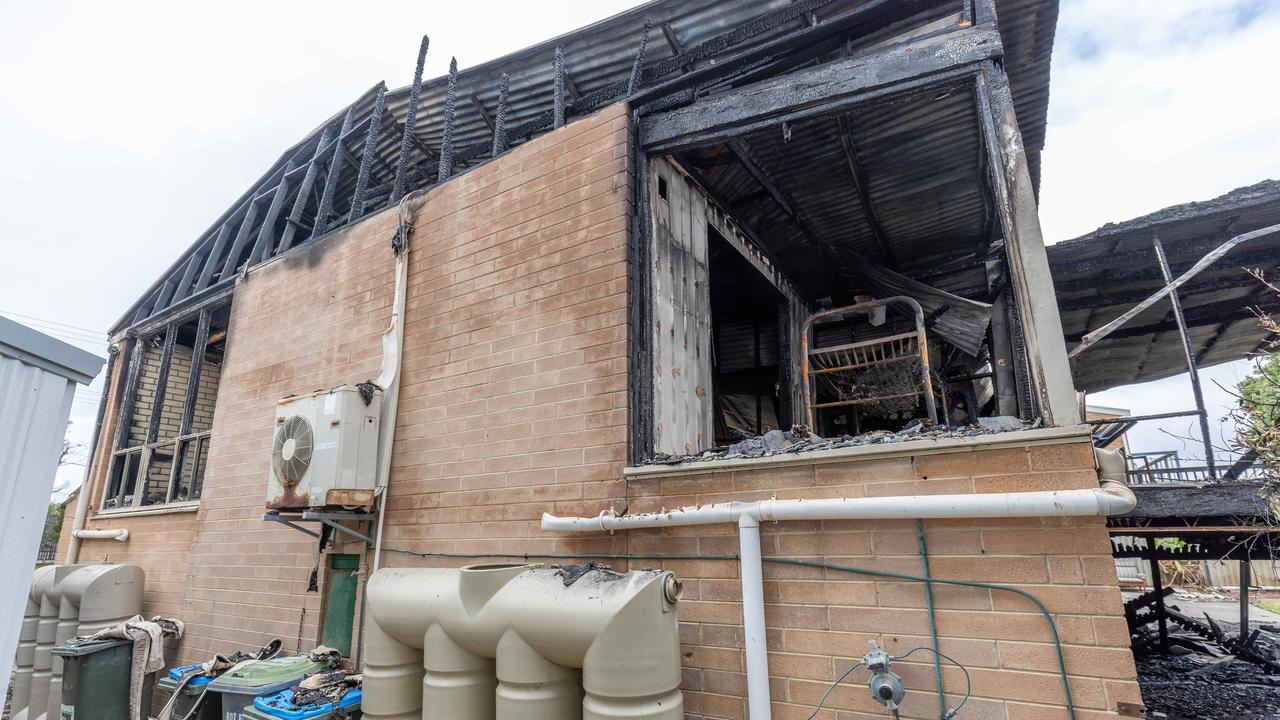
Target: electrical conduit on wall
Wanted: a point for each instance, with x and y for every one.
(1113, 498)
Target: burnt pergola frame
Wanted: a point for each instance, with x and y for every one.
(965, 55)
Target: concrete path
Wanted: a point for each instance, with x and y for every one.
(1224, 612)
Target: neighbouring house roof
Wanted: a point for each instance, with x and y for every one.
(598, 60)
(1101, 275)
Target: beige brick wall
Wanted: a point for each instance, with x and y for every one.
(175, 393)
(819, 622)
(513, 392)
(514, 402)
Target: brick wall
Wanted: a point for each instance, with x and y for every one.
(819, 621)
(514, 402)
(513, 396)
(175, 392)
(160, 544)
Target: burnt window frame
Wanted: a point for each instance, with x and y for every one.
(128, 465)
(1035, 353)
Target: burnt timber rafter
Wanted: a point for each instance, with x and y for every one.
(480, 109)
(1196, 316)
(1171, 286)
(751, 57)
(294, 220)
(267, 229)
(860, 186)
(743, 153)
(821, 89)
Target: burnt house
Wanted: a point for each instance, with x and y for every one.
(610, 262)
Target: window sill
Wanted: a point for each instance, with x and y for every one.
(181, 507)
(1015, 438)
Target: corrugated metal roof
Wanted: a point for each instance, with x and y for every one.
(1101, 275)
(922, 161)
(598, 56)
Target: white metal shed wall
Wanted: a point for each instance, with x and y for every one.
(35, 402)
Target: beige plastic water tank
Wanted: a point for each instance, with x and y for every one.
(514, 642)
(66, 601)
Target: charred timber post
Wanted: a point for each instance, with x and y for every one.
(410, 118)
(1034, 300)
(500, 118)
(325, 208)
(197, 366)
(446, 133)
(304, 190)
(162, 383)
(125, 416)
(1162, 617)
(366, 158)
(1192, 370)
(1002, 351)
(1245, 572)
(557, 100)
(633, 83)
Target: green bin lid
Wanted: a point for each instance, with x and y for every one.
(269, 672)
(88, 646)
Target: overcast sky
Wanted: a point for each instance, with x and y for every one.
(129, 127)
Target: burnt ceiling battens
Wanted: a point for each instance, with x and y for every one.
(1101, 275)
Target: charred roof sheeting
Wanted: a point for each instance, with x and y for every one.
(1101, 275)
(921, 162)
(597, 57)
(1027, 29)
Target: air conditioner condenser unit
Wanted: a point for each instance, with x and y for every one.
(325, 449)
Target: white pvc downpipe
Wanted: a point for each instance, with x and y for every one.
(122, 534)
(389, 376)
(1113, 498)
(754, 645)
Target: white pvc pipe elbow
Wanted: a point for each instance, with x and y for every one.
(121, 534)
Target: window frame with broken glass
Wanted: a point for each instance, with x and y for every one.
(164, 417)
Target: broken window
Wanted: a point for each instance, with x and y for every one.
(848, 271)
(161, 439)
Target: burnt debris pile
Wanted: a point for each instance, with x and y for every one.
(1193, 668)
(799, 439)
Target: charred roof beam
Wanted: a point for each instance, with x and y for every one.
(739, 149)
(1205, 314)
(823, 89)
(859, 176)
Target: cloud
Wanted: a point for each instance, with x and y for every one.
(1153, 103)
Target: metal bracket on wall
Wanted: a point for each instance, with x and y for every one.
(323, 518)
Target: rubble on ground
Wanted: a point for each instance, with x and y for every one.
(1203, 687)
(1210, 672)
(799, 439)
